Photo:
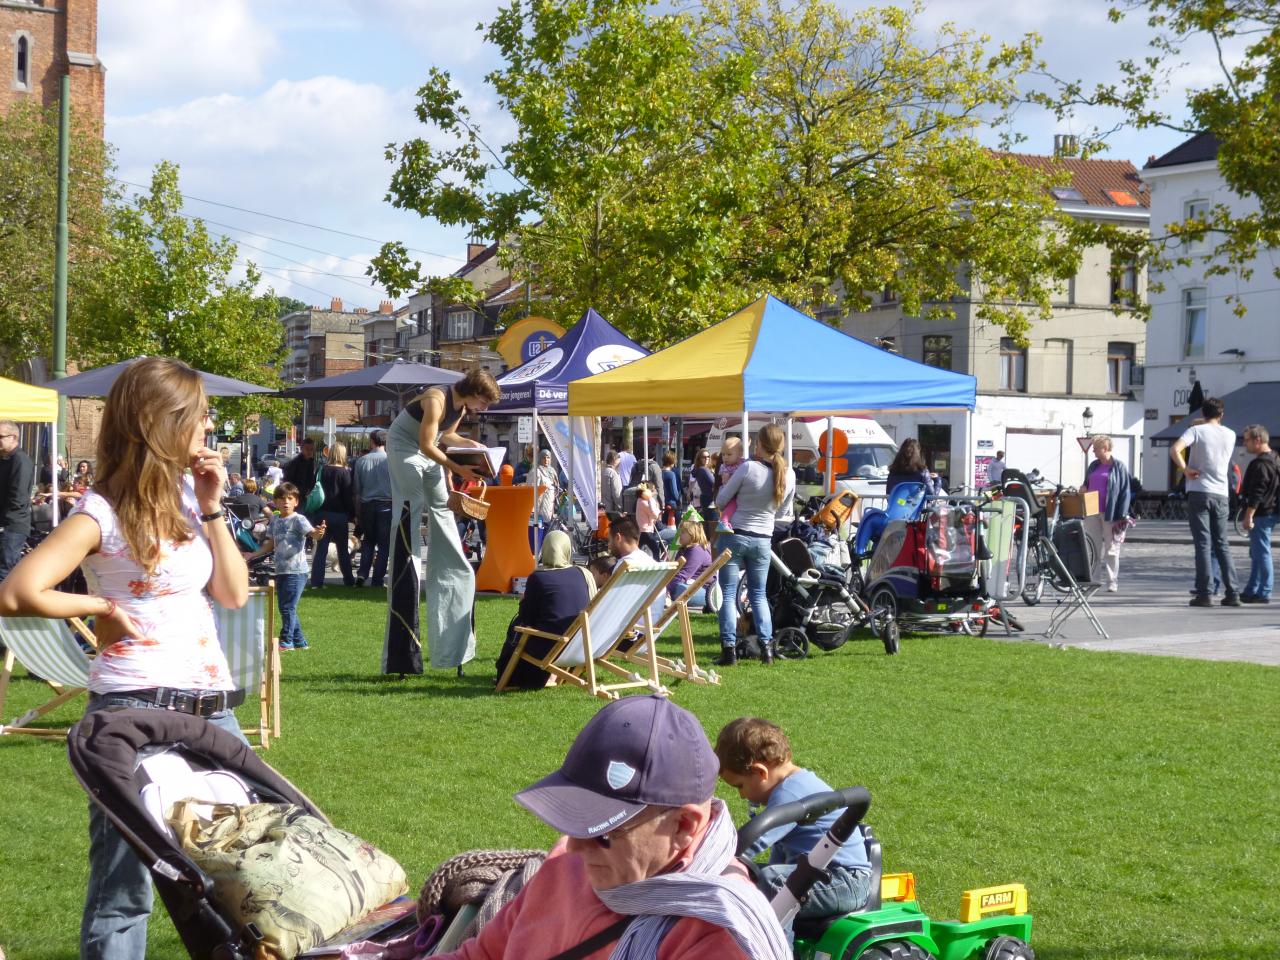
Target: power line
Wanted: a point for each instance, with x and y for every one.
(263, 236)
(367, 286)
(289, 280)
(298, 223)
(291, 269)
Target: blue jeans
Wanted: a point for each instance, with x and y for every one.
(751, 554)
(11, 544)
(698, 601)
(846, 891)
(1208, 515)
(375, 518)
(1260, 570)
(336, 532)
(289, 587)
(118, 900)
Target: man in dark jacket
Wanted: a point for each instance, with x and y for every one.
(301, 470)
(17, 475)
(1258, 497)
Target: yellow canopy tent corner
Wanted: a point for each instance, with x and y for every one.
(24, 403)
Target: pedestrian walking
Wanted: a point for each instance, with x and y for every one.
(1203, 453)
(1260, 498)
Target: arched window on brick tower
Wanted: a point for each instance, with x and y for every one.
(22, 62)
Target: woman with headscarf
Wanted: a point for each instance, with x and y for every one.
(554, 595)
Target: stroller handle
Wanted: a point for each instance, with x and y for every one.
(807, 810)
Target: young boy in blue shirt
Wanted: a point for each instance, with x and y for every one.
(286, 536)
(755, 759)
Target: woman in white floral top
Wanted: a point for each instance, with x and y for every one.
(154, 549)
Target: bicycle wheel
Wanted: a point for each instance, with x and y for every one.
(1037, 573)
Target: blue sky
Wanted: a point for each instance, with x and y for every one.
(284, 107)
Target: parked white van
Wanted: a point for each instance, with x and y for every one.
(870, 452)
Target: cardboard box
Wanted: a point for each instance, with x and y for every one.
(1082, 504)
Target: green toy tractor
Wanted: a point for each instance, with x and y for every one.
(993, 925)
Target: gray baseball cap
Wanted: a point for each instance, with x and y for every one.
(635, 752)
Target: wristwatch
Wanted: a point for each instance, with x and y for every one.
(216, 515)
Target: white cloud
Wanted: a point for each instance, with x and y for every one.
(310, 150)
(165, 48)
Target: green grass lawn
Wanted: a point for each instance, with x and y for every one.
(1137, 797)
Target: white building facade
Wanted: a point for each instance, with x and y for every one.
(1076, 375)
(1194, 335)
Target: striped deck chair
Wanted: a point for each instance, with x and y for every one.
(249, 640)
(577, 656)
(48, 649)
(677, 611)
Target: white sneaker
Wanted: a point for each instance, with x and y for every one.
(1112, 588)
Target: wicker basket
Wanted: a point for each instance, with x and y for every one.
(465, 505)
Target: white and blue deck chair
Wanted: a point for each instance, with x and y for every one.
(618, 609)
(663, 614)
(49, 650)
(249, 640)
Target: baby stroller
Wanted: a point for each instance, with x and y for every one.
(924, 566)
(808, 604)
(134, 764)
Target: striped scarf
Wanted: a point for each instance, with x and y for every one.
(703, 892)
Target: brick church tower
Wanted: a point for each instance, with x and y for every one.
(40, 40)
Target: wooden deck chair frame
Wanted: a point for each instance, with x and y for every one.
(244, 669)
(587, 674)
(72, 659)
(677, 610)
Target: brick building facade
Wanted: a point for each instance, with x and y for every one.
(43, 39)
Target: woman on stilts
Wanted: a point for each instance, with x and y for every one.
(421, 477)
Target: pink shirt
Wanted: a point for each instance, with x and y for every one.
(646, 515)
(558, 910)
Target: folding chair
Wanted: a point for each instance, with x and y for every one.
(48, 649)
(623, 603)
(1079, 586)
(677, 610)
(249, 640)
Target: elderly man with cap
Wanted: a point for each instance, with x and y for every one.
(646, 868)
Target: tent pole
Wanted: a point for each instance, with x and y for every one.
(53, 467)
(790, 461)
(746, 440)
(969, 445)
(646, 446)
(830, 485)
(573, 449)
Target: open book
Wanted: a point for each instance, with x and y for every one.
(487, 459)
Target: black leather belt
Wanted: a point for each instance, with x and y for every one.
(199, 703)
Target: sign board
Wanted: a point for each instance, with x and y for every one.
(231, 456)
(1150, 413)
(986, 444)
(1085, 443)
(524, 429)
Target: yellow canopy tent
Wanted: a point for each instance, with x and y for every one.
(27, 404)
(24, 403)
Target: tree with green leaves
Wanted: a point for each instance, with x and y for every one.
(167, 289)
(1239, 105)
(28, 216)
(666, 167)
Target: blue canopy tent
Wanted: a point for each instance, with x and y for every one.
(541, 386)
(592, 345)
(771, 358)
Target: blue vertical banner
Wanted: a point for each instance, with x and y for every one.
(581, 433)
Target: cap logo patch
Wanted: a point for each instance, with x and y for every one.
(619, 774)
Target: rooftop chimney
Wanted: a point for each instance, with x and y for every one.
(336, 305)
(1066, 145)
(385, 306)
(362, 310)
(475, 249)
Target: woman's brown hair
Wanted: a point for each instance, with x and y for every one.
(150, 416)
(770, 439)
(479, 382)
(909, 458)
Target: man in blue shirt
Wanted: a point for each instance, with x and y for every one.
(372, 488)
